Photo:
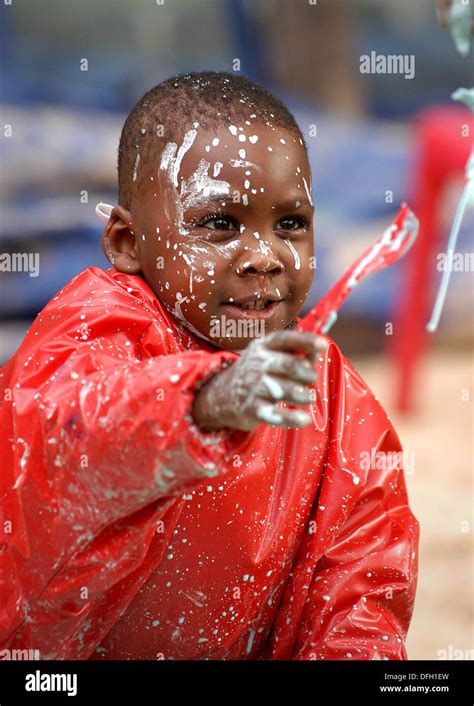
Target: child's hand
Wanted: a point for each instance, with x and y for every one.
(442, 8)
(245, 395)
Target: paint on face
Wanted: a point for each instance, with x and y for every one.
(230, 249)
(198, 186)
(135, 167)
(295, 254)
(187, 142)
(308, 193)
(242, 163)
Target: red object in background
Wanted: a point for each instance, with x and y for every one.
(441, 155)
(394, 242)
(129, 533)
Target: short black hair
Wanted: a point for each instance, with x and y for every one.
(207, 97)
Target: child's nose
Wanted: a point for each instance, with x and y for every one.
(255, 263)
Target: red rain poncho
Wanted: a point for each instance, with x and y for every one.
(130, 533)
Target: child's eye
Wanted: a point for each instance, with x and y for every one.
(292, 223)
(218, 221)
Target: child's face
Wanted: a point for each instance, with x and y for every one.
(226, 219)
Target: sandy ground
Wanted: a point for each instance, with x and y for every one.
(440, 484)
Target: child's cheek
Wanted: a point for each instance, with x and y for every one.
(184, 268)
(168, 206)
(205, 258)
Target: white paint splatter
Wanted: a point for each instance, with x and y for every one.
(308, 194)
(135, 167)
(355, 479)
(295, 254)
(243, 163)
(188, 140)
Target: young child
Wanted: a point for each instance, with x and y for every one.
(184, 475)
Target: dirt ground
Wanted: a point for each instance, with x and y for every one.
(440, 485)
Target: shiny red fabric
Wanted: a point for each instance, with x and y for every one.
(127, 532)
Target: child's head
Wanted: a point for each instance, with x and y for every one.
(215, 206)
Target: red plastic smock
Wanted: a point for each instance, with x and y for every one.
(126, 532)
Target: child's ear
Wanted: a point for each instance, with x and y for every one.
(118, 242)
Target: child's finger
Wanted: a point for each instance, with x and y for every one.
(271, 414)
(274, 388)
(441, 9)
(296, 341)
(441, 18)
(296, 368)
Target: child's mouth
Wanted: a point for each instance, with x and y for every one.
(256, 304)
(260, 308)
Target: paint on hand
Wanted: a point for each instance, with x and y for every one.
(459, 20)
(273, 387)
(466, 96)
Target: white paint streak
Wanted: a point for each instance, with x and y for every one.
(295, 254)
(308, 193)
